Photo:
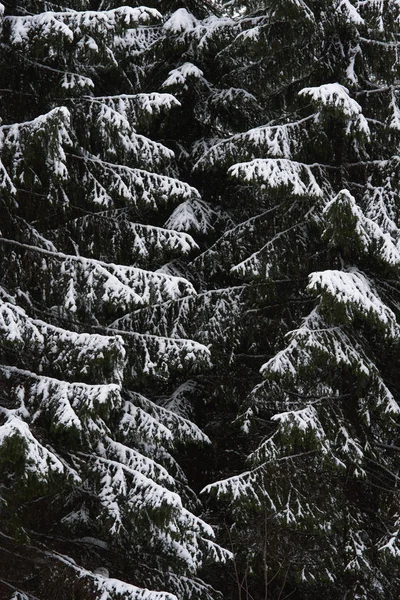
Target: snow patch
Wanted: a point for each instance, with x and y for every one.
(277, 173)
(180, 77)
(181, 20)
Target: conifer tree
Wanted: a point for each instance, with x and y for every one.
(293, 114)
(284, 115)
(94, 501)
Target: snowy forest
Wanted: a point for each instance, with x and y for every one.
(199, 294)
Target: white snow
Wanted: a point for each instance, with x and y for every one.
(133, 186)
(350, 11)
(150, 417)
(277, 173)
(180, 21)
(39, 461)
(369, 232)
(71, 23)
(350, 71)
(315, 338)
(52, 128)
(394, 122)
(67, 353)
(71, 81)
(110, 284)
(334, 95)
(355, 293)
(275, 141)
(193, 215)
(179, 77)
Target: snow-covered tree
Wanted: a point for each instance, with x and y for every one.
(285, 116)
(293, 143)
(94, 502)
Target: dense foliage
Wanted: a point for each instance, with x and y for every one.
(90, 480)
(200, 223)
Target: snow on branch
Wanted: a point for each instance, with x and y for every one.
(71, 44)
(194, 215)
(120, 143)
(128, 483)
(136, 109)
(140, 425)
(155, 356)
(75, 284)
(390, 542)
(350, 12)
(236, 243)
(355, 294)
(125, 493)
(357, 553)
(313, 428)
(180, 21)
(74, 356)
(110, 184)
(108, 588)
(93, 357)
(317, 348)
(348, 228)
(394, 122)
(282, 497)
(39, 462)
(246, 485)
(314, 339)
(334, 98)
(132, 459)
(136, 40)
(71, 24)
(111, 588)
(110, 124)
(211, 317)
(16, 438)
(279, 173)
(303, 421)
(189, 587)
(181, 77)
(123, 241)
(271, 141)
(200, 34)
(263, 262)
(180, 401)
(73, 81)
(6, 183)
(155, 420)
(382, 14)
(381, 208)
(46, 137)
(74, 408)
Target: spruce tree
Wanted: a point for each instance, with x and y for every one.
(284, 115)
(294, 131)
(94, 501)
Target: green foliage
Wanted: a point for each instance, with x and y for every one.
(308, 196)
(90, 466)
(285, 117)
